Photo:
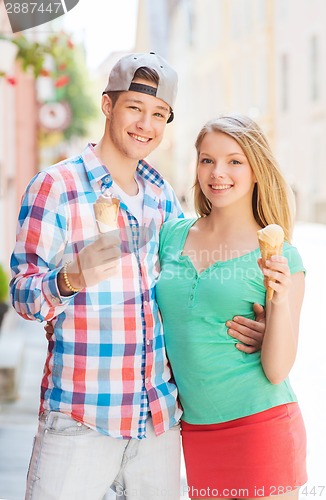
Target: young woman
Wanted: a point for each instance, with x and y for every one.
(243, 434)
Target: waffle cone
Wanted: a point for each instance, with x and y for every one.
(267, 251)
(106, 214)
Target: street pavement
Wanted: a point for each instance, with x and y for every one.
(18, 419)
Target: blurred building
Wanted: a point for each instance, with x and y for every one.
(264, 58)
(26, 110)
(300, 107)
(18, 146)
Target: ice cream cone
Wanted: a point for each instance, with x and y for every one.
(106, 210)
(270, 240)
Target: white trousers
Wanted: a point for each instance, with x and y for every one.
(70, 461)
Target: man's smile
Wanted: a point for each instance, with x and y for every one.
(139, 137)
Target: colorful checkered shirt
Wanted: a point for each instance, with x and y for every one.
(106, 365)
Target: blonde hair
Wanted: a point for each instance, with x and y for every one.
(272, 199)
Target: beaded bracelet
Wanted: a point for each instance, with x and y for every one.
(66, 279)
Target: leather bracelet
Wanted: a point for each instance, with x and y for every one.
(66, 279)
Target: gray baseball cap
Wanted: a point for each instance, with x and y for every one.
(122, 74)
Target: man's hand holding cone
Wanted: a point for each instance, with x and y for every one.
(99, 260)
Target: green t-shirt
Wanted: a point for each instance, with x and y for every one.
(216, 382)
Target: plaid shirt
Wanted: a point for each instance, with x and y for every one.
(106, 366)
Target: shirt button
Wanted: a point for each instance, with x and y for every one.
(148, 342)
(146, 380)
(106, 180)
(191, 297)
(79, 424)
(194, 285)
(145, 303)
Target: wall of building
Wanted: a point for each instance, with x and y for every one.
(300, 57)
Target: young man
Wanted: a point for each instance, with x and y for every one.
(107, 384)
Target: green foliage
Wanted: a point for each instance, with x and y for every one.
(70, 64)
(4, 286)
(70, 76)
(30, 54)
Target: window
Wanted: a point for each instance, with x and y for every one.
(261, 11)
(284, 82)
(314, 68)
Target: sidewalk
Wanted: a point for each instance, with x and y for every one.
(18, 420)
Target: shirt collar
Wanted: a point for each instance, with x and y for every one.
(98, 173)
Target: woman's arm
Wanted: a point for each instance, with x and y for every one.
(280, 343)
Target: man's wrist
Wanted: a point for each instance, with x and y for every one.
(63, 290)
(66, 282)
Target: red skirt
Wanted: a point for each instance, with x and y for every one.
(256, 456)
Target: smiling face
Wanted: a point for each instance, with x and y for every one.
(224, 174)
(136, 123)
